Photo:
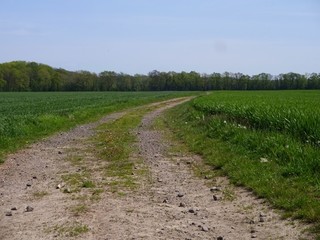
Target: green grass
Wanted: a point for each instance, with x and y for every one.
(75, 159)
(76, 181)
(26, 117)
(88, 184)
(40, 194)
(70, 229)
(79, 209)
(233, 131)
(293, 112)
(96, 194)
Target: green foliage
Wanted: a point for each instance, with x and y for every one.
(261, 140)
(31, 76)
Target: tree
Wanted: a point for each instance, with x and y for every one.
(16, 76)
(262, 81)
(26, 76)
(56, 82)
(195, 81)
(139, 82)
(313, 81)
(83, 81)
(2, 81)
(158, 80)
(123, 82)
(107, 81)
(43, 78)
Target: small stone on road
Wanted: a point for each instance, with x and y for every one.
(29, 209)
(9, 214)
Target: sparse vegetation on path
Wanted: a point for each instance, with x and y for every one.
(92, 183)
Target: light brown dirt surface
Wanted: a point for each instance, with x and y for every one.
(170, 202)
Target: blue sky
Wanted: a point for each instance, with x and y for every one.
(138, 36)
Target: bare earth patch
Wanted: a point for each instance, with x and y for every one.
(170, 202)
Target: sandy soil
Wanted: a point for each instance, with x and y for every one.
(171, 203)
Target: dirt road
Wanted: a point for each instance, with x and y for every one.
(170, 203)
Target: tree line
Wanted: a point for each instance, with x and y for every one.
(31, 76)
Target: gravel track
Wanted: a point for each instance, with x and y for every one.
(171, 204)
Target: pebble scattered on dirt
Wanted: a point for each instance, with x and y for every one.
(8, 214)
(29, 209)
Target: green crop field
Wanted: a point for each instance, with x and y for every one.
(267, 141)
(292, 112)
(25, 117)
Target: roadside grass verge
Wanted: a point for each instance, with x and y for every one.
(179, 152)
(274, 165)
(27, 117)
